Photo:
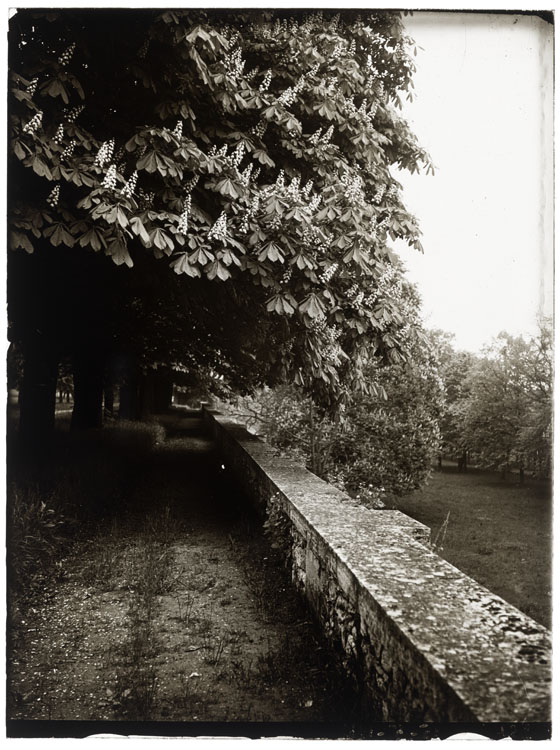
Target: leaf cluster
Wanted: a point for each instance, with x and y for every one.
(250, 149)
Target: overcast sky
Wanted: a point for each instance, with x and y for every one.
(483, 110)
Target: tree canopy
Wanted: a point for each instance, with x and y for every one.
(499, 404)
(382, 443)
(248, 153)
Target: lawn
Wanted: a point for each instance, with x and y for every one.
(499, 533)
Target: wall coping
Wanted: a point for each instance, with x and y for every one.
(493, 657)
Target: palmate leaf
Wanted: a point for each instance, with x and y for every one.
(271, 251)
(59, 234)
(263, 158)
(217, 270)
(19, 150)
(56, 88)
(77, 176)
(226, 187)
(356, 256)
(312, 306)
(118, 252)
(303, 261)
(148, 162)
(139, 229)
(180, 264)
(94, 238)
(161, 240)
(228, 258)
(293, 124)
(201, 256)
(40, 168)
(18, 239)
(281, 304)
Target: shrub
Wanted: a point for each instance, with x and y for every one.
(38, 533)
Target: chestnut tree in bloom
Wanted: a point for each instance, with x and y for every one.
(207, 190)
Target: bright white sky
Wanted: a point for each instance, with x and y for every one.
(483, 111)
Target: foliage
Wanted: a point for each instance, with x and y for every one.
(454, 369)
(247, 147)
(508, 410)
(376, 445)
(39, 533)
(498, 405)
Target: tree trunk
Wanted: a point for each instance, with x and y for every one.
(146, 392)
(127, 400)
(163, 391)
(128, 390)
(88, 391)
(38, 397)
(109, 400)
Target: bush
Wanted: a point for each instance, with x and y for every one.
(378, 446)
(38, 533)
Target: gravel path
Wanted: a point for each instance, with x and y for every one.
(177, 611)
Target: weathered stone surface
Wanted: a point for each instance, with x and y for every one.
(423, 641)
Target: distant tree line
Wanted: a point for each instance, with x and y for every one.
(498, 406)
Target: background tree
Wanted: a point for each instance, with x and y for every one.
(247, 147)
(454, 369)
(508, 410)
(535, 436)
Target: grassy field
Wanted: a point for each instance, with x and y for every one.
(499, 533)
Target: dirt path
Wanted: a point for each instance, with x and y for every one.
(177, 611)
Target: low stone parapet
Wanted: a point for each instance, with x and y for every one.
(423, 641)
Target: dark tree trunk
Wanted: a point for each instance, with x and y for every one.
(146, 393)
(88, 391)
(109, 400)
(163, 391)
(440, 463)
(521, 475)
(128, 392)
(127, 401)
(38, 397)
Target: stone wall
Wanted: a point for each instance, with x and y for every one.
(422, 640)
